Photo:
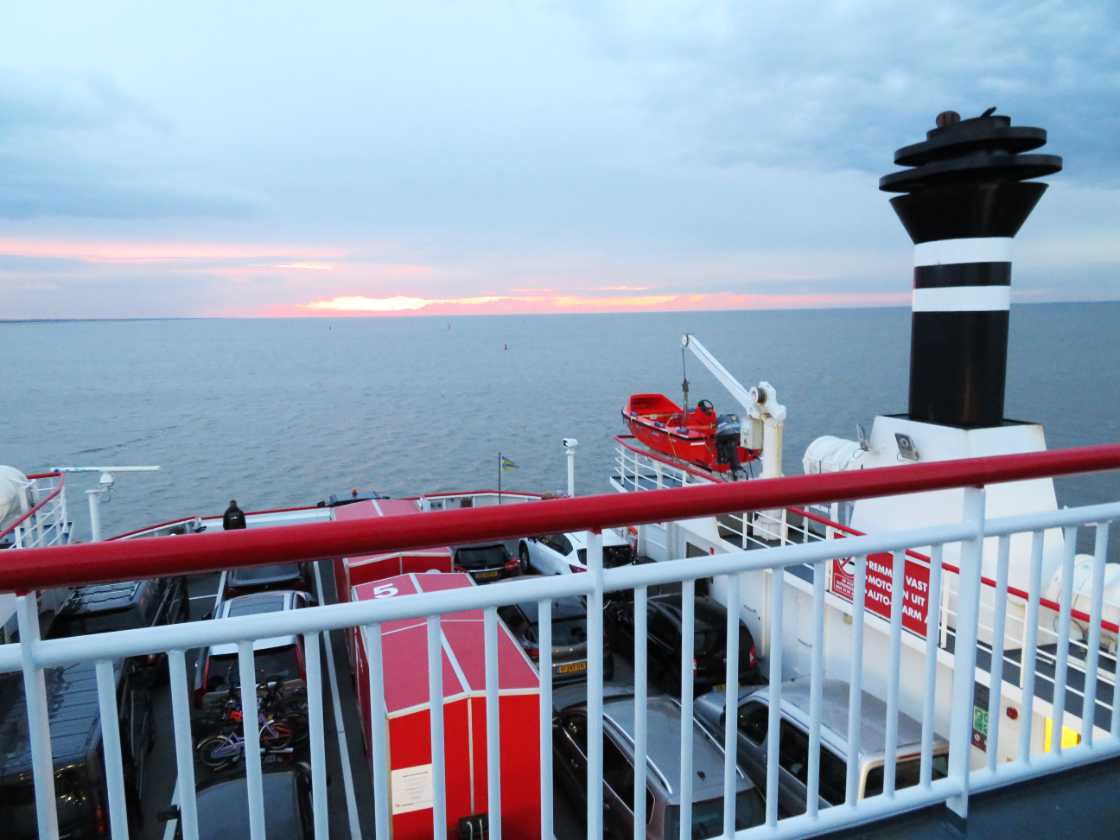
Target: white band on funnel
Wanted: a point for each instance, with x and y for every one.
(963, 299)
(954, 251)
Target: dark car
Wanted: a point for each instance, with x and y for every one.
(484, 563)
(663, 752)
(278, 658)
(664, 641)
(125, 605)
(76, 747)
(223, 807)
(245, 580)
(569, 637)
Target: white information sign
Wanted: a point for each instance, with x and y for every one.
(411, 788)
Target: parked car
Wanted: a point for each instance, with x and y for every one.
(125, 605)
(244, 580)
(562, 554)
(81, 792)
(485, 562)
(664, 641)
(569, 637)
(223, 806)
(663, 725)
(279, 658)
(793, 746)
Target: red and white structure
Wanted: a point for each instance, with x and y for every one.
(351, 571)
(463, 705)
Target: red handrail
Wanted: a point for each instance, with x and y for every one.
(39, 505)
(949, 567)
(150, 557)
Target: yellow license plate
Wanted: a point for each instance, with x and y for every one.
(486, 575)
(571, 668)
(720, 687)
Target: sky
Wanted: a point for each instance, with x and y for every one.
(294, 159)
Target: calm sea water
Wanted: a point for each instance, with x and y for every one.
(280, 412)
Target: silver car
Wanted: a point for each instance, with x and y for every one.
(793, 747)
(663, 770)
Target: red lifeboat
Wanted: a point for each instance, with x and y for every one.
(700, 437)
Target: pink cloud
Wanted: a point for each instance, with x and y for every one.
(99, 251)
(361, 305)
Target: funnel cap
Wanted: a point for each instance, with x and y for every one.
(984, 148)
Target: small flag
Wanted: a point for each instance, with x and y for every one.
(507, 464)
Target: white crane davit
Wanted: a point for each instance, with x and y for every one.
(763, 418)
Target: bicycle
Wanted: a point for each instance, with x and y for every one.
(226, 748)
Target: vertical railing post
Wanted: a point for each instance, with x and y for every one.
(1061, 666)
(111, 749)
(964, 650)
(493, 724)
(435, 721)
(816, 676)
(1089, 705)
(731, 706)
(641, 648)
(184, 745)
(595, 687)
(1030, 646)
(688, 639)
(544, 622)
(777, 597)
(898, 590)
(932, 634)
(251, 731)
(316, 735)
(38, 718)
(995, 671)
(855, 680)
(379, 736)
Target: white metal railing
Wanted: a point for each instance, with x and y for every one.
(1029, 625)
(32, 655)
(45, 519)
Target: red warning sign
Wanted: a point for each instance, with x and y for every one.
(877, 593)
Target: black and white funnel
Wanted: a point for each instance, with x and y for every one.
(965, 198)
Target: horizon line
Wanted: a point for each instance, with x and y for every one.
(347, 316)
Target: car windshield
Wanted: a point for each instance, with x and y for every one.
(707, 816)
(255, 574)
(569, 631)
(481, 556)
(907, 773)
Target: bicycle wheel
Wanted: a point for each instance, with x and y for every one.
(219, 751)
(275, 735)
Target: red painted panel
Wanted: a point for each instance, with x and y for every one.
(520, 763)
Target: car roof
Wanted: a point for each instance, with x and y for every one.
(663, 746)
(834, 717)
(707, 609)
(258, 602)
(74, 718)
(105, 597)
(223, 808)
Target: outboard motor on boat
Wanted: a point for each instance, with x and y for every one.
(727, 443)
